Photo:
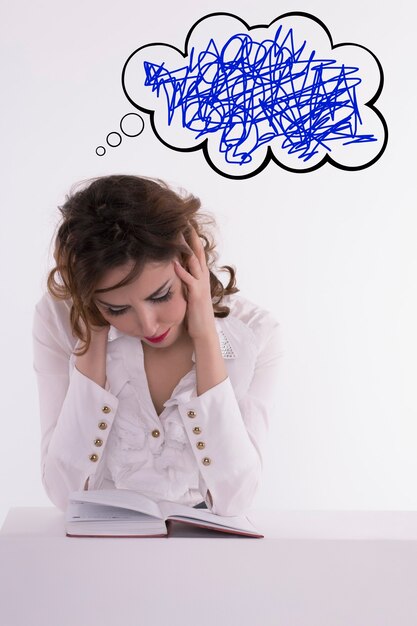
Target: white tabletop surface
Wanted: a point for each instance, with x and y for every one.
(312, 569)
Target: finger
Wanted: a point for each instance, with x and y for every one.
(185, 276)
(198, 247)
(194, 250)
(184, 243)
(194, 266)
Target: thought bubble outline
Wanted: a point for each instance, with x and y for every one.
(136, 134)
(269, 154)
(119, 137)
(101, 150)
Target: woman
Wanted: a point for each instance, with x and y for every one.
(152, 375)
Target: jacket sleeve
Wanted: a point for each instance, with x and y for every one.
(76, 414)
(227, 434)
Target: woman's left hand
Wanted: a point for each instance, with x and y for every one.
(200, 316)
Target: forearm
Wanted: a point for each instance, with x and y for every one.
(210, 367)
(76, 413)
(227, 457)
(76, 421)
(227, 425)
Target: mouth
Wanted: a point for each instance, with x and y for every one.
(158, 339)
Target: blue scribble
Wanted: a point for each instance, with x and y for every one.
(254, 92)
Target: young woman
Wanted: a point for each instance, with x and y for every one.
(152, 375)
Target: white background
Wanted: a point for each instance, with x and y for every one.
(332, 253)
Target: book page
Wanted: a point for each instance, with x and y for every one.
(121, 498)
(171, 510)
(93, 512)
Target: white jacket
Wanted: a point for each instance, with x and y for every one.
(114, 438)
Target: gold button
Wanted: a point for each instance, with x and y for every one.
(191, 413)
(206, 461)
(102, 425)
(106, 409)
(98, 443)
(155, 433)
(93, 457)
(196, 430)
(201, 445)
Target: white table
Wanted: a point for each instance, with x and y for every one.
(312, 569)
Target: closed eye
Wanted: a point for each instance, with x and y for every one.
(163, 298)
(116, 311)
(159, 300)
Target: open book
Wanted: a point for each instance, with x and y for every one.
(126, 513)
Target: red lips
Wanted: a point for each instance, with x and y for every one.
(158, 339)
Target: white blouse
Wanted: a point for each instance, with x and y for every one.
(206, 447)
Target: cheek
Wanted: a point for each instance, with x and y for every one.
(121, 322)
(178, 307)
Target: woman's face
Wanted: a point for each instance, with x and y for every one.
(152, 307)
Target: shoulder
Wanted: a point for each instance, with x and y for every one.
(256, 318)
(248, 321)
(52, 320)
(52, 310)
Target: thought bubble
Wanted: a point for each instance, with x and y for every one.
(247, 95)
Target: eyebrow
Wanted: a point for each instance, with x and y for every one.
(151, 297)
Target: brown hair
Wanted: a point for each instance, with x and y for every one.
(118, 219)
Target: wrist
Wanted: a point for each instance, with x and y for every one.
(210, 366)
(99, 333)
(202, 326)
(207, 347)
(208, 337)
(93, 362)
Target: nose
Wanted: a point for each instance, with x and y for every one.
(147, 322)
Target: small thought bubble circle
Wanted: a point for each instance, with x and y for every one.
(132, 125)
(114, 139)
(100, 151)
